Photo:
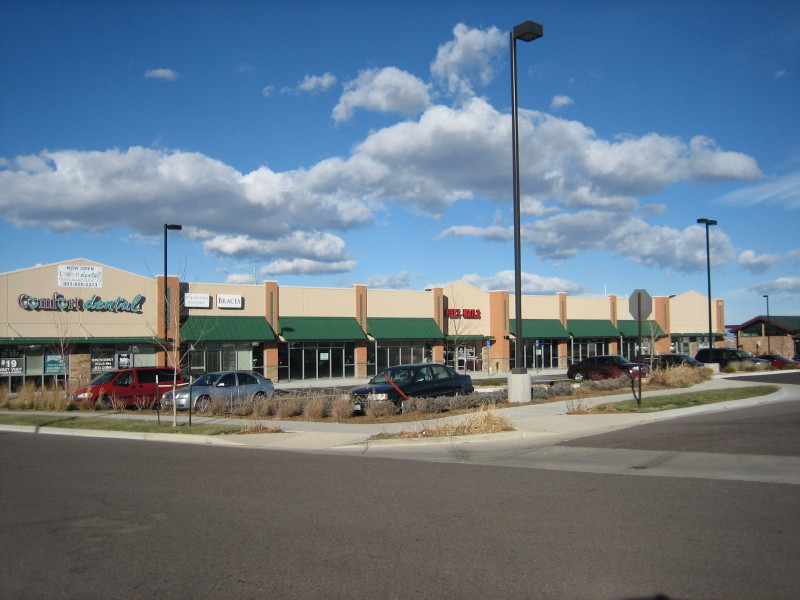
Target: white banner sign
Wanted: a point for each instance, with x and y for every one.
(229, 301)
(197, 300)
(86, 276)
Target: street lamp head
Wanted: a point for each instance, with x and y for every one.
(528, 31)
(766, 296)
(707, 221)
(173, 227)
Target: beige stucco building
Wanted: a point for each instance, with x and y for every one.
(77, 318)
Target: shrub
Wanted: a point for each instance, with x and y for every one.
(680, 376)
(219, 405)
(117, 403)
(539, 392)
(560, 388)
(264, 406)
(315, 407)
(601, 385)
(242, 409)
(463, 401)
(381, 408)
(341, 407)
(290, 406)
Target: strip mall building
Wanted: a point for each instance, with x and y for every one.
(75, 319)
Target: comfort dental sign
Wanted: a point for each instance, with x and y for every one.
(59, 302)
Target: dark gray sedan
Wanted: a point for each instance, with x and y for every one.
(228, 387)
(405, 381)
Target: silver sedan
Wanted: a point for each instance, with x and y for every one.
(228, 387)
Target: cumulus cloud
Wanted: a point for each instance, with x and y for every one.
(383, 90)
(304, 266)
(571, 179)
(317, 83)
(757, 264)
(164, 74)
(473, 54)
(560, 102)
(531, 283)
(785, 286)
(709, 163)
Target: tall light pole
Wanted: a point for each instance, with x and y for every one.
(769, 348)
(708, 223)
(519, 383)
(166, 298)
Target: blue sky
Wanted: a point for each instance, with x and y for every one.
(334, 143)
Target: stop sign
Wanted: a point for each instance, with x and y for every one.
(640, 304)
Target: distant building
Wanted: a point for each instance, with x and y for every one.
(75, 319)
(777, 335)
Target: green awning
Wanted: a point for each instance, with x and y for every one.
(592, 328)
(456, 338)
(539, 328)
(54, 341)
(226, 329)
(630, 329)
(403, 329)
(320, 328)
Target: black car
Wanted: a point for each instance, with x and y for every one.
(608, 366)
(723, 356)
(664, 361)
(395, 384)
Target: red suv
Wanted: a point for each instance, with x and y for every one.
(604, 367)
(139, 386)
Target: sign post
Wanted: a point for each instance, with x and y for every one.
(640, 305)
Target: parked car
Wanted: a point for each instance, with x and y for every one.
(421, 380)
(608, 366)
(664, 361)
(230, 387)
(138, 386)
(724, 356)
(780, 362)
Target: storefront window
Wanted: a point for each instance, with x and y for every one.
(316, 360)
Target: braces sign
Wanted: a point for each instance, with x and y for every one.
(59, 302)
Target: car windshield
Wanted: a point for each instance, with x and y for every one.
(206, 380)
(104, 378)
(396, 375)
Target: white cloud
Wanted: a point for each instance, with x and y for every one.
(709, 163)
(398, 281)
(781, 191)
(268, 91)
(304, 266)
(749, 261)
(474, 53)
(164, 74)
(757, 264)
(785, 286)
(531, 283)
(317, 83)
(241, 278)
(560, 102)
(383, 90)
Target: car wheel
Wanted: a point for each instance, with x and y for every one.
(203, 404)
(259, 397)
(103, 403)
(402, 406)
(578, 376)
(458, 392)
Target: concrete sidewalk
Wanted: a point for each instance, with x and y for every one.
(546, 423)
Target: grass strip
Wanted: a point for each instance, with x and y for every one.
(105, 424)
(659, 403)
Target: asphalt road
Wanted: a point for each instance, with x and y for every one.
(97, 518)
